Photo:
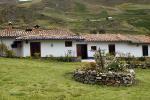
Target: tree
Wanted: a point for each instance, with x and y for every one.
(99, 60)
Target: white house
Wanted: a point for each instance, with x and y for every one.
(61, 42)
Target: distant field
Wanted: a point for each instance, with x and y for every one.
(84, 16)
(29, 3)
(130, 6)
(26, 79)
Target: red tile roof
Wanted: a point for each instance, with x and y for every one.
(11, 33)
(66, 34)
(139, 38)
(116, 38)
(39, 34)
(105, 37)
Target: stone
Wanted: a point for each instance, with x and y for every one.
(107, 78)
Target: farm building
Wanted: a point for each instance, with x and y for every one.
(58, 43)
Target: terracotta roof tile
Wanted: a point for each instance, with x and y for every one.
(66, 34)
(116, 38)
(139, 38)
(105, 37)
(39, 34)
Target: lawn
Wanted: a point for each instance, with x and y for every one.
(26, 79)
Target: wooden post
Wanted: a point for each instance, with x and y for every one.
(101, 59)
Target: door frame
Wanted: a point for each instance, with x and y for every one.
(31, 49)
(112, 47)
(143, 50)
(83, 48)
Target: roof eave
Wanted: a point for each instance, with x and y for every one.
(50, 39)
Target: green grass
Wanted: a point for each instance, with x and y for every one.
(131, 6)
(25, 79)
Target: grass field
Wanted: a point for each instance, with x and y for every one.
(25, 79)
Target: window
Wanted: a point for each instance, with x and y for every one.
(112, 49)
(68, 43)
(16, 44)
(145, 50)
(93, 48)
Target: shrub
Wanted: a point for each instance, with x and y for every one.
(9, 53)
(65, 59)
(3, 49)
(37, 55)
(116, 66)
(142, 59)
(28, 57)
(89, 66)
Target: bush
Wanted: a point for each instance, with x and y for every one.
(9, 53)
(3, 49)
(37, 55)
(89, 66)
(142, 59)
(65, 59)
(62, 59)
(28, 57)
(116, 67)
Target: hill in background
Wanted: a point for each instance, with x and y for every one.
(128, 16)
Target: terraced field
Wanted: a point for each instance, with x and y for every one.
(129, 16)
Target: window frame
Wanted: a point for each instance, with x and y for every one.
(145, 50)
(68, 43)
(93, 48)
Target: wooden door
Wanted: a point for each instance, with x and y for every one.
(112, 49)
(35, 47)
(145, 50)
(82, 51)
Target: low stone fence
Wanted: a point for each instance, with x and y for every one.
(143, 66)
(109, 79)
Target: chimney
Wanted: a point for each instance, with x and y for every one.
(10, 26)
(36, 28)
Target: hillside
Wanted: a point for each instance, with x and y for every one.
(129, 16)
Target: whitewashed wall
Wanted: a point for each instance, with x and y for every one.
(25, 49)
(8, 42)
(133, 49)
(58, 49)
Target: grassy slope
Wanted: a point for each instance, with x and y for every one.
(81, 15)
(44, 80)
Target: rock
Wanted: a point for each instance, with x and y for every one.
(109, 78)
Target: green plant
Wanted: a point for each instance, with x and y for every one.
(37, 55)
(89, 66)
(116, 66)
(68, 57)
(28, 57)
(142, 59)
(65, 59)
(3, 49)
(9, 53)
(99, 60)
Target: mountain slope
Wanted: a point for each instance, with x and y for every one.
(129, 16)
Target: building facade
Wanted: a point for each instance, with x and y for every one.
(59, 43)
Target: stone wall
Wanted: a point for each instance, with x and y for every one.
(109, 78)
